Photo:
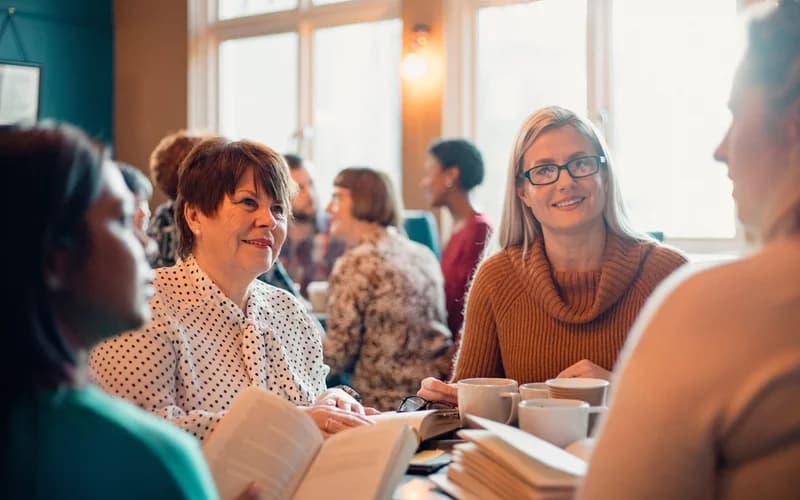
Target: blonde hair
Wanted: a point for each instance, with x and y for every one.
(518, 225)
(772, 61)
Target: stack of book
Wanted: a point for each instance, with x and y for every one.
(502, 462)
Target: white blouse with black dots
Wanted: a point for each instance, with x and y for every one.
(200, 349)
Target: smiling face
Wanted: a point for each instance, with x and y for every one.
(242, 239)
(109, 286)
(568, 205)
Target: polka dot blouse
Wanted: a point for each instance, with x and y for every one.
(200, 349)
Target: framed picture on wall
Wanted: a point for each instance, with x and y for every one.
(19, 92)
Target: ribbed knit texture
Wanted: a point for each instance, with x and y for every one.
(528, 322)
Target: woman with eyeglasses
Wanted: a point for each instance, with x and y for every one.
(559, 297)
(708, 399)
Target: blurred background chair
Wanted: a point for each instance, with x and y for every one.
(420, 226)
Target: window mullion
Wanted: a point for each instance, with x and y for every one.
(599, 66)
(305, 97)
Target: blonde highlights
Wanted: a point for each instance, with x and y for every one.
(518, 225)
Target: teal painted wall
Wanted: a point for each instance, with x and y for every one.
(73, 41)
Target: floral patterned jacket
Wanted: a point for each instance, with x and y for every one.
(387, 322)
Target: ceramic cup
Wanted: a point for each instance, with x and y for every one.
(534, 390)
(591, 390)
(318, 296)
(558, 421)
(492, 398)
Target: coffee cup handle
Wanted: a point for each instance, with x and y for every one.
(512, 416)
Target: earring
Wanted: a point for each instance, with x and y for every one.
(448, 184)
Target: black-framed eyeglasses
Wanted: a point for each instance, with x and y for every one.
(416, 403)
(583, 166)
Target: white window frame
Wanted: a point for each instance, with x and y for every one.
(206, 33)
(461, 40)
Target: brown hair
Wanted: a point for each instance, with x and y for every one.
(374, 197)
(213, 170)
(166, 159)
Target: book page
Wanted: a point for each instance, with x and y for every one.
(265, 439)
(362, 463)
(427, 423)
(545, 464)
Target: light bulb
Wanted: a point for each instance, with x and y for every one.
(414, 66)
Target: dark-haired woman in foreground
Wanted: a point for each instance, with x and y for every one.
(77, 275)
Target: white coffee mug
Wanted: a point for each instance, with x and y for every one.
(559, 421)
(492, 398)
(318, 295)
(534, 390)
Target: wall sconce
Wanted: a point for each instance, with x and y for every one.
(414, 63)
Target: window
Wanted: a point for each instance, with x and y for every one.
(520, 70)
(654, 76)
(316, 77)
(238, 8)
(673, 66)
(258, 89)
(357, 100)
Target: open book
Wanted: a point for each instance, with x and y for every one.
(427, 423)
(266, 439)
(500, 462)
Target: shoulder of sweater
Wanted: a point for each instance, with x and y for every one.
(658, 262)
(500, 267)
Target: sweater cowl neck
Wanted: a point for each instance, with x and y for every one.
(581, 296)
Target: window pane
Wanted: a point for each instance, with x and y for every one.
(529, 56)
(241, 8)
(673, 66)
(258, 89)
(356, 85)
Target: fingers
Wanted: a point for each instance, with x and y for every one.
(585, 368)
(354, 407)
(433, 389)
(368, 410)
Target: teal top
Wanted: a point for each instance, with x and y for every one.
(82, 443)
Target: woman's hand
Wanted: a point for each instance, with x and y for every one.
(342, 400)
(585, 368)
(331, 419)
(435, 390)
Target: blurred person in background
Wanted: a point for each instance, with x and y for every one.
(453, 168)
(386, 311)
(142, 191)
(309, 252)
(165, 161)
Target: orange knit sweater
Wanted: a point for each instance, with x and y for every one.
(528, 322)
